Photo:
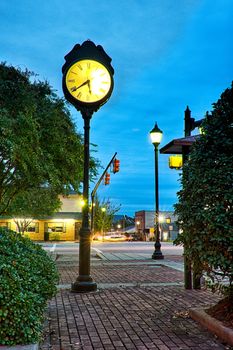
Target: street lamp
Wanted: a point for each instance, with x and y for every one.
(156, 137)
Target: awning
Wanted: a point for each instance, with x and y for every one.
(175, 146)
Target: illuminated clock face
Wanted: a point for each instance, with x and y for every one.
(88, 81)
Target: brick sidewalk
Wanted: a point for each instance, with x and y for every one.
(108, 273)
(137, 306)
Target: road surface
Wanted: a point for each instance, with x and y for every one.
(134, 248)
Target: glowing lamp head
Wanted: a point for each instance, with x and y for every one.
(82, 203)
(161, 218)
(175, 162)
(156, 135)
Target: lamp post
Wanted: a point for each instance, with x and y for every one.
(156, 137)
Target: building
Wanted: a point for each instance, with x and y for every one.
(144, 225)
(63, 225)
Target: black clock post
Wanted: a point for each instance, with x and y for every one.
(89, 52)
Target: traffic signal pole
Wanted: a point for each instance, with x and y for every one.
(93, 193)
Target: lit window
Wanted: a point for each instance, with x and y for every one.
(56, 227)
(5, 224)
(32, 227)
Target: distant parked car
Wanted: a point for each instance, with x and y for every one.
(133, 237)
(116, 238)
(111, 237)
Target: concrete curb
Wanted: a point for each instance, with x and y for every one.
(213, 325)
(20, 347)
(127, 284)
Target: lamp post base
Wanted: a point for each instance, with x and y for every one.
(157, 255)
(82, 287)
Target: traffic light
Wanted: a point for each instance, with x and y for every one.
(116, 165)
(107, 179)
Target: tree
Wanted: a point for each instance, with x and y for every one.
(123, 222)
(205, 206)
(34, 203)
(104, 212)
(41, 153)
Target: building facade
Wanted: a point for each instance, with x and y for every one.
(144, 225)
(63, 225)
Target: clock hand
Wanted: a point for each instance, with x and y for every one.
(77, 87)
(89, 86)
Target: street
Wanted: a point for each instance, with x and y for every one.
(134, 248)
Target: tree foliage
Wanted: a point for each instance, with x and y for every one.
(41, 153)
(104, 212)
(34, 203)
(205, 207)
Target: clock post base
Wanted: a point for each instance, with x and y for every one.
(83, 286)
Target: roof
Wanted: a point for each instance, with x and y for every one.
(175, 146)
(64, 215)
(58, 215)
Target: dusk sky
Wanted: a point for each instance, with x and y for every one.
(166, 55)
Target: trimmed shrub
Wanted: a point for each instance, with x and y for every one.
(205, 207)
(28, 278)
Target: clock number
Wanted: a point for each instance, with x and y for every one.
(88, 65)
(71, 80)
(73, 88)
(80, 67)
(79, 95)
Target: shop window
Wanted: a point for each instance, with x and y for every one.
(5, 224)
(33, 227)
(55, 227)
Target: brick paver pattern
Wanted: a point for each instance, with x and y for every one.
(125, 317)
(121, 273)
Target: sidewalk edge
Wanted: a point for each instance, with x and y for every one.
(213, 325)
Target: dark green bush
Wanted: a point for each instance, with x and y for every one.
(205, 207)
(28, 278)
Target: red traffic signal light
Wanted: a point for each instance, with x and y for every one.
(107, 179)
(116, 166)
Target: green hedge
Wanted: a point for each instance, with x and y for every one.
(28, 278)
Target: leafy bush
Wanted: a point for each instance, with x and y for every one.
(205, 207)
(28, 279)
(54, 236)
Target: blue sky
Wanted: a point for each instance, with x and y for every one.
(166, 55)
